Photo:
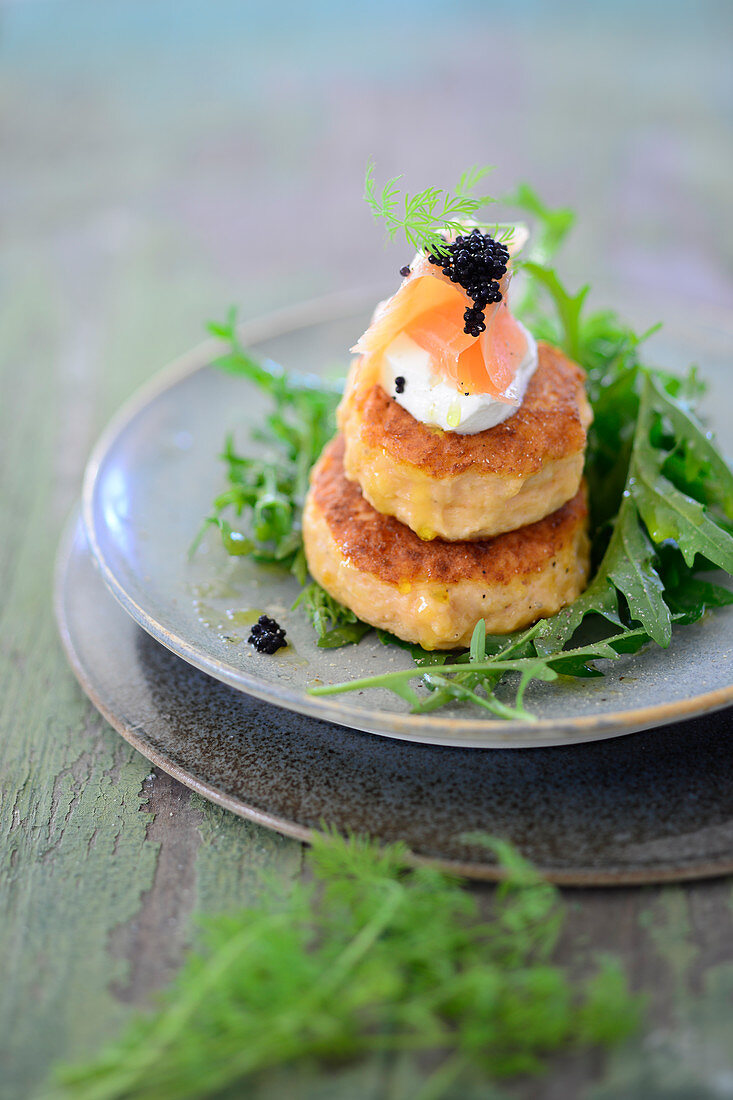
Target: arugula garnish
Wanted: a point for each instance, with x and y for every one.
(484, 668)
(552, 226)
(265, 494)
(655, 475)
(269, 490)
(371, 955)
(334, 624)
(661, 494)
(654, 510)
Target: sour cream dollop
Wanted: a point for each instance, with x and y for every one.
(431, 400)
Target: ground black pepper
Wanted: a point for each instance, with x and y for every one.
(399, 384)
(405, 271)
(266, 635)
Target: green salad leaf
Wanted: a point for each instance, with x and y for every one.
(334, 624)
(551, 226)
(370, 954)
(661, 494)
(473, 678)
(655, 476)
(267, 492)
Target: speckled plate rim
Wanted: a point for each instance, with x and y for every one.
(425, 729)
(134, 734)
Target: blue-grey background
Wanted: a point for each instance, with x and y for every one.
(163, 158)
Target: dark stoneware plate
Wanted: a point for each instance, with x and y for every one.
(649, 807)
(152, 478)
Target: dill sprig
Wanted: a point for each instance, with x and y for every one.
(429, 217)
(372, 955)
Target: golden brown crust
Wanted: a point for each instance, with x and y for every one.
(548, 426)
(386, 548)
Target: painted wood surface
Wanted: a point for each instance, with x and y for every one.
(161, 161)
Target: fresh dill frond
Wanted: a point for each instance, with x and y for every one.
(471, 178)
(372, 955)
(429, 216)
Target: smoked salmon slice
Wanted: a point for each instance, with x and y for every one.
(429, 308)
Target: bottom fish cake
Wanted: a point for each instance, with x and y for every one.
(435, 592)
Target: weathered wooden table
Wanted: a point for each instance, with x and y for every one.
(161, 161)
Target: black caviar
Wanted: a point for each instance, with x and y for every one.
(405, 271)
(399, 384)
(267, 636)
(476, 262)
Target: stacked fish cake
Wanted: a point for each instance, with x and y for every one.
(453, 491)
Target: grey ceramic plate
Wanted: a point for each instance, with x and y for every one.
(654, 806)
(151, 480)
